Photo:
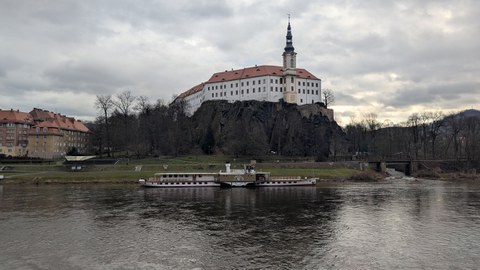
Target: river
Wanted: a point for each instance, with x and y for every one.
(396, 224)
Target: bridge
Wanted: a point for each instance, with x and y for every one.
(408, 167)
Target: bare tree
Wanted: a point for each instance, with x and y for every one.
(124, 104)
(105, 103)
(328, 97)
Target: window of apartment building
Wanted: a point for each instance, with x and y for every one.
(303, 83)
(253, 82)
(316, 92)
(259, 81)
(291, 88)
(216, 94)
(292, 80)
(236, 92)
(221, 94)
(213, 95)
(236, 84)
(281, 79)
(264, 89)
(231, 85)
(271, 88)
(271, 80)
(231, 93)
(316, 84)
(10, 125)
(308, 84)
(253, 90)
(299, 83)
(242, 92)
(247, 83)
(247, 90)
(303, 91)
(276, 89)
(301, 100)
(299, 91)
(276, 81)
(308, 92)
(242, 83)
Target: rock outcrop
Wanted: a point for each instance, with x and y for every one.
(258, 128)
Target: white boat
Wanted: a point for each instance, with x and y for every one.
(180, 180)
(246, 177)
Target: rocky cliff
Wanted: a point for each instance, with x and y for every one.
(258, 128)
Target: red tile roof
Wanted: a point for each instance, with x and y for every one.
(50, 119)
(246, 73)
(11, 116)
(257, 71)
(191, 91)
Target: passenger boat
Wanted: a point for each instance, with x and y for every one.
(246, 177)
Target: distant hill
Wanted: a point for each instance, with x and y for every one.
(469, 113)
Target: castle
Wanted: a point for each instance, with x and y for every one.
(262, 83)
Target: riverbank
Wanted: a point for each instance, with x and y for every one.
(128, 172)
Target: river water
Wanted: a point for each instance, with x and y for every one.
(397, 224)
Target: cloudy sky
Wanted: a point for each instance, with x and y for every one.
(391, 58)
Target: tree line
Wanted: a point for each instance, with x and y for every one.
(426, 135)
(134, 126)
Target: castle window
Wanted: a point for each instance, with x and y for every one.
(271, 80)
(276, 81)
(293, 80)
(291, 88)
(247, 91)
(236, 92)
(236, 84)
(242, 83)
(299, 91)
(264, 89)
(253, 83)
(303, 83)
(242, 92)
(253, 90)
(231, 85)
(276, 89)
(216, 94)
(308, 84)
(308, 92)
(271, 88)
(259, 82)
(304, 91)
(299, 84)
(231, 93)
(247, 83)
(317, 84)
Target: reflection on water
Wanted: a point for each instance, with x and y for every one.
(396, 224)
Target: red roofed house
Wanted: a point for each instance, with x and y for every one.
(54, 135)
(14, 127)
(264, 83)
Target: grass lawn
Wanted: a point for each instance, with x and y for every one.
(124, 171)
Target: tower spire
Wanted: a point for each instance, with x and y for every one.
(289, 44)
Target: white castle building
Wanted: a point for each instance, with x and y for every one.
(263, 83)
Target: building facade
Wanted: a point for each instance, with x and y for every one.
(263, 83)
(40, 134)
(53, 135)
(14, 128)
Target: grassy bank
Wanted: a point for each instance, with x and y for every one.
(127, 171)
